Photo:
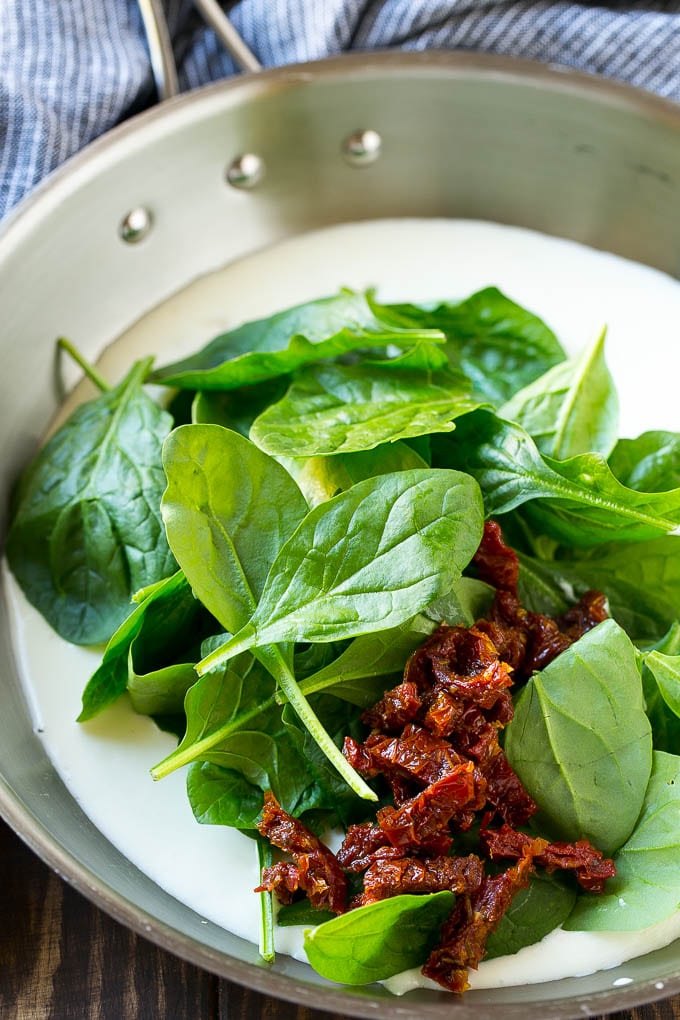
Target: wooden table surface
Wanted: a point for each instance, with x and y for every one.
(61, 958)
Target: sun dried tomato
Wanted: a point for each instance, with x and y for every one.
(462, 875)
(318, 871)
(283, 879)
(590, 867)
(363, 845)
(461, 660)
(415, 755)
(590, 610)
(530, 641)
(398, 707)
(506, 793)
(464, 935)
(496, 564)
(423, 822)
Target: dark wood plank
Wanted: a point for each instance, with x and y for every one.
(61, 958)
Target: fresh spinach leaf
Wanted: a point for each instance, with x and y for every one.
(236, 409)
(171, 596)
(345, 408)
(228, 509)
(571, 409)
(370, 656)
(301, 912)
(234, 722)
(499, 345)
(642, 586)
(367, 560)
(160, 692)
(589, 781)
(321, 478)
(375, 657)
(650, 463)
(666, 670)
(665, 722)
(577, 501)
(87, 531)
(646, 888)
(219, 705)
(220, 796)
(376, 941)
(535, 911)
(286, 341)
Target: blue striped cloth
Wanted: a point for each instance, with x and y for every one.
(71, 69)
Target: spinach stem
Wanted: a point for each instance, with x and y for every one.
(274, 661)
(89, 370)
(241, 642)
(266, 947)
(310, 721)
(194, 751)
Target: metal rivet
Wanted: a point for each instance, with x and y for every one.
(362, 148)
(245, 171)
(136, 225)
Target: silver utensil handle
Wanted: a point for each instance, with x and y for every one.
(228, 36)
(163, 66)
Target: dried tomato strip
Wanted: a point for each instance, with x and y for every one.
(318, 872)
(416, 754)
(398, 707)
(590, 867)
(464, 935)
(423, 822)
(496, 563)
(462, 875)
(506, 793)
(363, 845)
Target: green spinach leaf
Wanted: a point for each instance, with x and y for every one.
(650, 463)
(571, 409)
(301, 912)
(228, 509)
(588, 780)
(220, 796)
(664, 720)
(344, 408)
(499, 345)
(577, 501)
(87, 532)
(321, 478)
(666, 670)
(546, 902)
(286, 341)
(646, 888)
(172, 595)
(367, 560)
(376, 941)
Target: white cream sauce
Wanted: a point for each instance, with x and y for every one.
(106, 762)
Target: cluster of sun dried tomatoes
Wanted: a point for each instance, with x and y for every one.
(434, 740)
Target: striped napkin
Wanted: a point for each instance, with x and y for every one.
(71, 69)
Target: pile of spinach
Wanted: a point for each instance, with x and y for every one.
(263, 555)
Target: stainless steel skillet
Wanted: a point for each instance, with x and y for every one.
(455, 135)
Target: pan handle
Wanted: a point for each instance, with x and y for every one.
(163, 66)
